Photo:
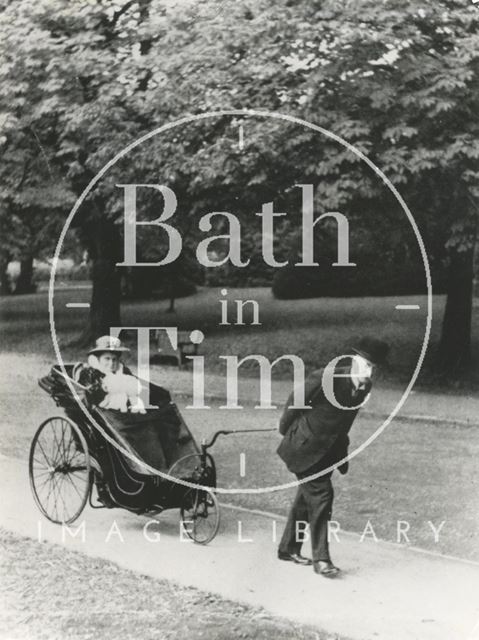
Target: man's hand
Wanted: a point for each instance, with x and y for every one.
(343, 469)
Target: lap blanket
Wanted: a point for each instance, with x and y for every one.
(160, 437)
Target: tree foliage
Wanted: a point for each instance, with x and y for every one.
(397, 79)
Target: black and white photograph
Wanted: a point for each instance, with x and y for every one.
(239, 315)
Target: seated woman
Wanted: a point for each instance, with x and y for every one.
(110, 384)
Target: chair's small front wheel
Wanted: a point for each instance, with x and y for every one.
(200, 515)
(59, 470)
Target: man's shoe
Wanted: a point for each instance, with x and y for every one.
(297, 558)
(326, 569)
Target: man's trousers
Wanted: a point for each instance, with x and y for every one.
(313, 504)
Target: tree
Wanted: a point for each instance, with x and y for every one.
(87, 80)
(407, 73)
(398, 79)
(60, 75)
(31, 205)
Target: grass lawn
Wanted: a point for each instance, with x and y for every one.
(50, 593)
(315, 329)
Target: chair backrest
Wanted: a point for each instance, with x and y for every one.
(76, 370)
(56, 385)
(69, 368)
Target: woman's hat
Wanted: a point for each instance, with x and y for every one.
(374, 350)
(108, 343)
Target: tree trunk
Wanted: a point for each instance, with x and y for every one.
(171, 288)
(455, 345)
(25, 279)
(5, 288)
(105, 251)
(171, 308)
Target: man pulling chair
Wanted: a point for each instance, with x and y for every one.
(317, 438)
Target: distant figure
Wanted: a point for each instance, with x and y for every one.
(110, 384)
(316, 438)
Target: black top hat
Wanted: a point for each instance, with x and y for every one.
(374, 350)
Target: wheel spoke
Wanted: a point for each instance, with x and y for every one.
(64, 451)
(52, 487)
(62, 481)
(74, 486)
(69, 453)
(44, 482)
(54, 496)
(42, 473)
(77, 454)
(67, 438)
(79, 477)
(61, 441)
(56, 445)
(43, 453)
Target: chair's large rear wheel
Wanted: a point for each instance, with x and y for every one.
(200, 515)
(59, 469)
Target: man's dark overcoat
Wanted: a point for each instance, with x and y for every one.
(310, 435)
